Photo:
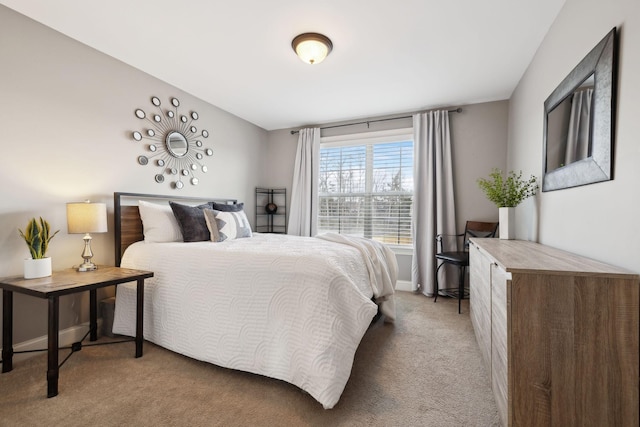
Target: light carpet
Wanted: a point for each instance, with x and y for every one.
(424, 370)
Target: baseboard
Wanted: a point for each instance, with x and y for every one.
(404, 285)
(65, 338)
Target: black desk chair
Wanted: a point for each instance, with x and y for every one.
(461, 258)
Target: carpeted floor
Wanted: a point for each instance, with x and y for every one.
(424, 370)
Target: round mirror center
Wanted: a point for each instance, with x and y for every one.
(177, 144)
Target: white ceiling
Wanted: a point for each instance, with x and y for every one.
(389, 56)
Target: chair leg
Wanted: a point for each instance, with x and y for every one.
(461, 287)
(436, 280)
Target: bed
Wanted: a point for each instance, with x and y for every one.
(286, 307)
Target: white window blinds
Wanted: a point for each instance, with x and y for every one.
(366, 189)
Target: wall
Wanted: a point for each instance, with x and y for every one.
(67, 116)
(596, 220)
(479, 139)
(67, 113)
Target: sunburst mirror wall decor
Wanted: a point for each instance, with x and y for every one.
(175, 146)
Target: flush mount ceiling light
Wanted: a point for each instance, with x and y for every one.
(312, 48)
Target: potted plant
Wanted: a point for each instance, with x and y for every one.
(507, 192)
(37, 235)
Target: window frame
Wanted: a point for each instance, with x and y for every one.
(374, 137)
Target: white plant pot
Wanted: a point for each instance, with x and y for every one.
(35, 268)
(507, 217)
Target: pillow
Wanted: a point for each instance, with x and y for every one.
(191, 221)
(210, 219)
(158, 223)
(222, 207)
(227, 225)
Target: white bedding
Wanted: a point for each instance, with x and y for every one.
(292, 308)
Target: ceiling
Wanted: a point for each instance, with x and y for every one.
(389, 57)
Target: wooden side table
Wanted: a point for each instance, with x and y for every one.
(66, 282)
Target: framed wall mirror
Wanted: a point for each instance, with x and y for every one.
(579, 119)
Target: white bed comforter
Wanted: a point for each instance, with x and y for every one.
(291, 308)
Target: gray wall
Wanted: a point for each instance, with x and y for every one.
(595, 220)
(479, 139)
(66, 117)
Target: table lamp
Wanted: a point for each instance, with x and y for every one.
(86, 217)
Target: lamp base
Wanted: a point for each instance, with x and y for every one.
(87, 266)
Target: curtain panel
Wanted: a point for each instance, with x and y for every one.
(578, 134)
(304, 189)
(433, 205)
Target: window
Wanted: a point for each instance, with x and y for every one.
(366, 186)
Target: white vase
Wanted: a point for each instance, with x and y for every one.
(35, 268)
(507, 223)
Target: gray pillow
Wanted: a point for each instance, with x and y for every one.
(191, 221)
(223, 207)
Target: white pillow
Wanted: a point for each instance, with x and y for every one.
(227, 225)
(159, 223)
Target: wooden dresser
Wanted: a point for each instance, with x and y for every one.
(558, 332)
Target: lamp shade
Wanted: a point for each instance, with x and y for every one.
(86, 217)
(312, 48)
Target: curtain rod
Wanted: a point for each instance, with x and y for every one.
(293, 132)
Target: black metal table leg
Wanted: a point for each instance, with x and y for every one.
(435, 276)
(7, 330)
(139, 317)
(93, 315)
(52, 371)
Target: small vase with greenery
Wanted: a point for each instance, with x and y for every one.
(37, 235)
(507, 192)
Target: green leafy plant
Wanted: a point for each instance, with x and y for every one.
(37, 235)
(510, 190)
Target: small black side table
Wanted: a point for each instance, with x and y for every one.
(66, 282)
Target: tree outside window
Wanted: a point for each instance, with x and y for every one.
(366, 190)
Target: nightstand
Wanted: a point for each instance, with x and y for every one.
(66, 282)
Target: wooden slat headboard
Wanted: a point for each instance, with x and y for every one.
(127, 222)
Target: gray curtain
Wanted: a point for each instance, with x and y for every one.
(433, 201)
(304, 189)
(578, 134)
